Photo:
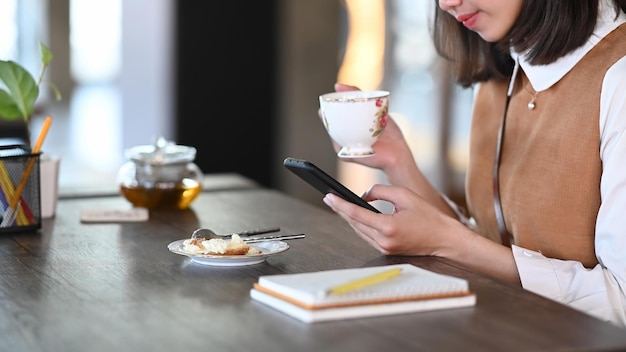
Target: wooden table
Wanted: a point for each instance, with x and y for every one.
(116, 287)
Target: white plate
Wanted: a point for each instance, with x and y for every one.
(267, 248)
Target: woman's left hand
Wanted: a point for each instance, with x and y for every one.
(415, 227)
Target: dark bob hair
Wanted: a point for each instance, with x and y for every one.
(545, 29)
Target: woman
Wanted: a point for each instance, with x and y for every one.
(546, 181)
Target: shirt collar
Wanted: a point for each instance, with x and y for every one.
(542, 77)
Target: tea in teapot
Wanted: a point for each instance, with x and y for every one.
(160, 176)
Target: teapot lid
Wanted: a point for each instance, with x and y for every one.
(162, 152)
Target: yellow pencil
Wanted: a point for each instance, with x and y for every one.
(7, 189)
(364, 282)
(14, 202)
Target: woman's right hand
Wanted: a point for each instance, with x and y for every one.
(389, 148)
(394, 157)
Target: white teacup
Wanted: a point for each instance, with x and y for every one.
(355, 119)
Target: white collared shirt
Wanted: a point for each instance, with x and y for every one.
(600, 291)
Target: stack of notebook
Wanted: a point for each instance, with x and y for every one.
(361, 292)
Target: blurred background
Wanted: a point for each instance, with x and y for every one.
(239, 81)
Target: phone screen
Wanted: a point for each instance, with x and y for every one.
(323, 182)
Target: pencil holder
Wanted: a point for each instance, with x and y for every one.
(20, 202)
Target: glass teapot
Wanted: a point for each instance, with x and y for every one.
(160, 176)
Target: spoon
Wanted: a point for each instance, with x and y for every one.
(209, 234)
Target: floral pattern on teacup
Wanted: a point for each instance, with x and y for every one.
(381, 116)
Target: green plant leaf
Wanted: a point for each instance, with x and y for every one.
(46, 54)
(8, 108)
(22, 90)
(55, 90)
(18, 100)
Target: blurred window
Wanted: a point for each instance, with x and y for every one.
(95, 37)
(95, 40)
(8, 28)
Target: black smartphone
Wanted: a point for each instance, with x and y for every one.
(323, 182)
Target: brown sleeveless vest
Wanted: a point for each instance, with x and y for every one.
(550, 167)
